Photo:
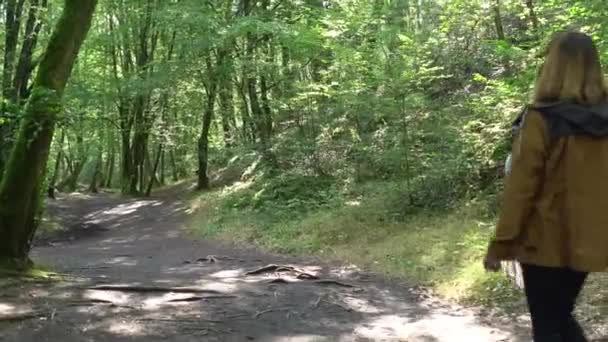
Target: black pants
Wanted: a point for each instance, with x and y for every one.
(551, 294)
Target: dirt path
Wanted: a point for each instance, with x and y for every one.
(141, 243)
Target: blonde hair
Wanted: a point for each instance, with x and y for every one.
(571, 72)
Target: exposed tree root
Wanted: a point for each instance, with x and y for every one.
(318, 281)
(270, 268)
(260, 313)
(281, 268)
(333, 282)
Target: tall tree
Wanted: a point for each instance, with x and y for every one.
(500, 31)
(12, 25)
(20, 187)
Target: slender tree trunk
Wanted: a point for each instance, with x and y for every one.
(126, 166)
(266, 119)
(138, 148)
(227, 106)
(151, 170)
(79, 161)
(249, 132)
(12, 24)
(532, 14)
(159, 152)
(96, 173)
(163, 167)
(500, 32)
(57, 168)
(203, 141)
(20, 186)
(175, 171)
(24, 66)
(110, 167)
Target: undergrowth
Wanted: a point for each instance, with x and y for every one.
(364, 224)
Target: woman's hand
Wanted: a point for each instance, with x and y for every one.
(491, 263)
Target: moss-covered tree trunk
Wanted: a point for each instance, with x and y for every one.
(19, 190)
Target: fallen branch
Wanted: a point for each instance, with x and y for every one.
(127, 288)
(260, 313)
(333, 282)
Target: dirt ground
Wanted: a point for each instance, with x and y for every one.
(134, 274)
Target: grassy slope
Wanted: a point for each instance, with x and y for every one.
(441, 250)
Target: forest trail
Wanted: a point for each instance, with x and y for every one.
(141, 244)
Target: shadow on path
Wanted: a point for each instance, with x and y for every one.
(141, 243)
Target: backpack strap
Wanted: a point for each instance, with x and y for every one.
(519, 121)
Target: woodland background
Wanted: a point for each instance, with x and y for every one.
(371, 130)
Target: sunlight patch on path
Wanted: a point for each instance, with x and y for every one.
(121, 210)
(436, 327)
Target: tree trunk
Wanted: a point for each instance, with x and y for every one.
(12, 25)
(56, 169)
(500, 32)
(108, 169)
(126, 166)
(227, 106)
(248, 125)
(94, 181)
(8, 110)
(138, 149)
(174, 170)
(77, 165)
(24, 66)
(159, 152)
(19, 190)
(532, 14)
(162, 167)
(203, 141)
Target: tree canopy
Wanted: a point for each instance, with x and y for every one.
(315, 95)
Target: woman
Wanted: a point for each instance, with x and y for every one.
(554, 216)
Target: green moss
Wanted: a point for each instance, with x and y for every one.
(10, 275)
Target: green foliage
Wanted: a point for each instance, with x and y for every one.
(287, 191)
(438, 249)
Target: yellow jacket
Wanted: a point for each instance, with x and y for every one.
(555, 203)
